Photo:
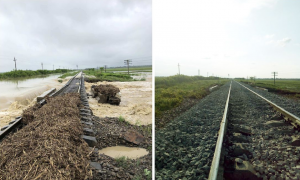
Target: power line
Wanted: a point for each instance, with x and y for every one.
(15, 63)
(127, 62)
(275, 74)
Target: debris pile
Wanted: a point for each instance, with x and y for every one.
(106, 94)
(49, 146)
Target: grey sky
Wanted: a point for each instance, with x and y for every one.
(237, 37)
(70, 32)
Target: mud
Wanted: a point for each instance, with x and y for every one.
(136, 104)
(119, 151)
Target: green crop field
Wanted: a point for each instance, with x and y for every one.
(170, 91)
(283, 86)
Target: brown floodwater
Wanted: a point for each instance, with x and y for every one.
(119, 151)
(18, 94)
(136, 101)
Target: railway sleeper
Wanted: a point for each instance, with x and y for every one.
(90, 140)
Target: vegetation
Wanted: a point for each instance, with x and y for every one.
(68, 74)
(121, 119)
(170, 91)
(122, 161)
(131, 68)
(283, 86)
(108, 76)
(29, 73)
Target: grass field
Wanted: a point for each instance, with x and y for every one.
(132, 69)
(170, 91)
(68, 74)
(108, 76)
(283, 86)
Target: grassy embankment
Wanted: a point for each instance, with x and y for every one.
(108, 76)
(171, 91)
(29, 73)
(290, 87)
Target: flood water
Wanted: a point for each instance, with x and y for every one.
(119, 151)
(21, 89)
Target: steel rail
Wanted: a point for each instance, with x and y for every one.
(214, 168)
(295, 121)
(17, 122)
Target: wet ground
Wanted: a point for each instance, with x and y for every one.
(136, 101)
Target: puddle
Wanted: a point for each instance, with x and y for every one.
(119, 151)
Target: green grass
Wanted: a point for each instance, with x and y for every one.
(170, 91)
(108, 76)
(131, 69)
(68, 74)
(29, 73)
(122, 161)
(121, 119)
(289, 86)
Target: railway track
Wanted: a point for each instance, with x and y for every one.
(249, 138)
(256, 140)
(73, 85)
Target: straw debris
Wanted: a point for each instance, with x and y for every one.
(107, 89)
(50, 146)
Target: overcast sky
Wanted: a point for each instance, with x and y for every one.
(237, 37)
(70, 32)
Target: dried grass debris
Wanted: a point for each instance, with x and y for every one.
(50, 146)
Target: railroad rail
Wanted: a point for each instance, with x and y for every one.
(215, 170)
(70, 86)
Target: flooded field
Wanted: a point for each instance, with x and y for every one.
(119, 151)
(136, 101)
(18, 94)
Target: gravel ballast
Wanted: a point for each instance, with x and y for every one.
(185, 147)
(268, 141)
(291, 105)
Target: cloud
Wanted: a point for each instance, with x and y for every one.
(283, 42)
(74, 32)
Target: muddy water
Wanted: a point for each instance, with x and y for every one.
(119, 151)
(17, 95)
(136, 101)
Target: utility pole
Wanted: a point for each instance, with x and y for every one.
(15, 63)
(207, 74)
(59, 67)
(53, 67)
(275, 74)
(104, 68)
(127, 62)
(77, 67)
(178, 69)
(228, 76)
(198, 72)
(42, 66)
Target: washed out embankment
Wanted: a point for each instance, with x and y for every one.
(13, 100)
